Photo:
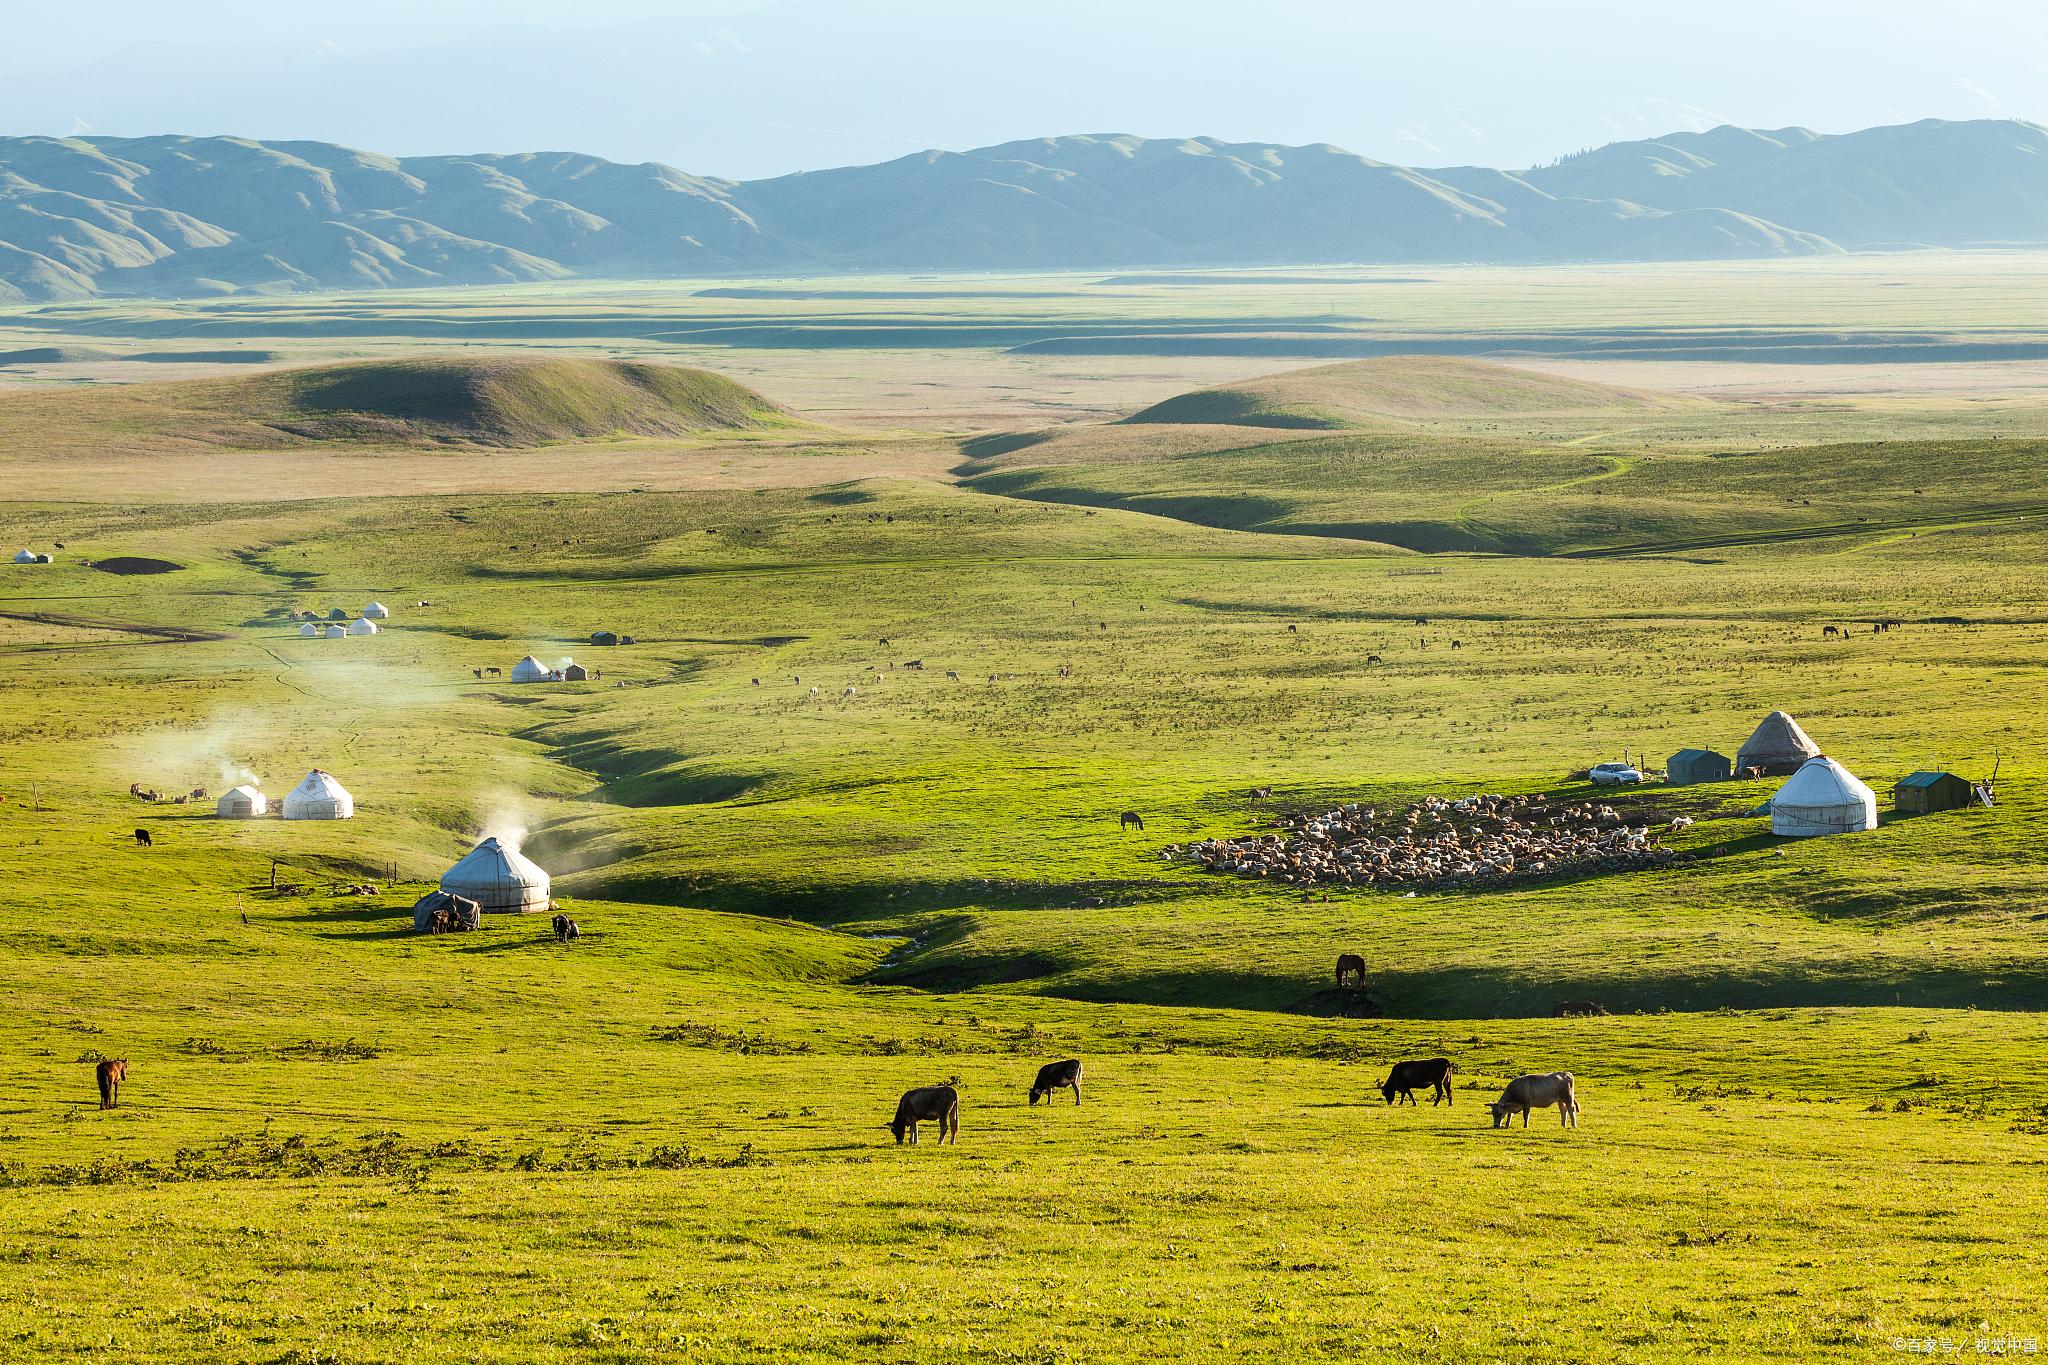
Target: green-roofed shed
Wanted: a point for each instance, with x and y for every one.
(1688, 766)
(1924, 793)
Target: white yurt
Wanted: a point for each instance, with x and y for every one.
(530, 669)
(363, 627)
(241, 803)
(1823, 797)
(319, 797)
(25, 557)
(336, 633)
(376, 611)
(309, 629)
(498, 878)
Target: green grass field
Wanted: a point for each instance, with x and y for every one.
(1813, 1121)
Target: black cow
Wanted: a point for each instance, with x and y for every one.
(1055, 1076)
(928, 1103)
(1409, 1077)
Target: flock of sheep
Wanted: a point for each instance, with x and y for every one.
(1436, 842)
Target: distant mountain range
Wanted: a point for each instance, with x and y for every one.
(182, 216)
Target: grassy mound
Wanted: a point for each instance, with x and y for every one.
(509, 401)
(1401, 388)
(56, 355)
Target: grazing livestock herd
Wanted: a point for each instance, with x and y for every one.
(940, 1104)
(1436, 842)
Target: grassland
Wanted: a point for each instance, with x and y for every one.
(1813, 1123)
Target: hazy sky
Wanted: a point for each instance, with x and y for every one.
(748, 88)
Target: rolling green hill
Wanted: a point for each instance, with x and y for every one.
(1405, 388)
(505, 400)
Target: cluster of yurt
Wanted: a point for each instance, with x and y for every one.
(32, 557)
(341, 626)
(1821, 797)
(319, 797)
(244, 802)
(532, 670)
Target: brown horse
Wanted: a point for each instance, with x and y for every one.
(110, 1075)
(1347, 964)
(1129, 818)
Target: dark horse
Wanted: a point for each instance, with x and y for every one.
(1129, 818)
(111, 1074)
(1347, 964)
(928, 1103)
(1057, 1076)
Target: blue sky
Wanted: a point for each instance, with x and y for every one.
(748, 88)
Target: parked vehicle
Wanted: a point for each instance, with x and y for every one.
(1615, 774)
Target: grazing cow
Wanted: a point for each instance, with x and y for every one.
(495, 672)
(197, 794)
(1056, 1076)
(1409, 1077)
(1567, 1009)
(850, 693)
(142, 839)
(1826, 631)
(757, 682)
(952, 675)
(1525, 1093)
(443, 922)
(566, 930)
(1294, 630)
(1129, 818)
(1261, 793)
(1457, 644)
(478, 672)
(927, 1104)
(1350, 964)
(110, 1074)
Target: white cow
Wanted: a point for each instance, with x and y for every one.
(1538, 1092)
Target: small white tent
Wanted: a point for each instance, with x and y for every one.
(309, 629)
(376, 611)
(241, 803)
(363, 627)
(319, 797)
(1823, 797)
(25, 557)
(499, 879)
(336, 633)
(530, 669)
